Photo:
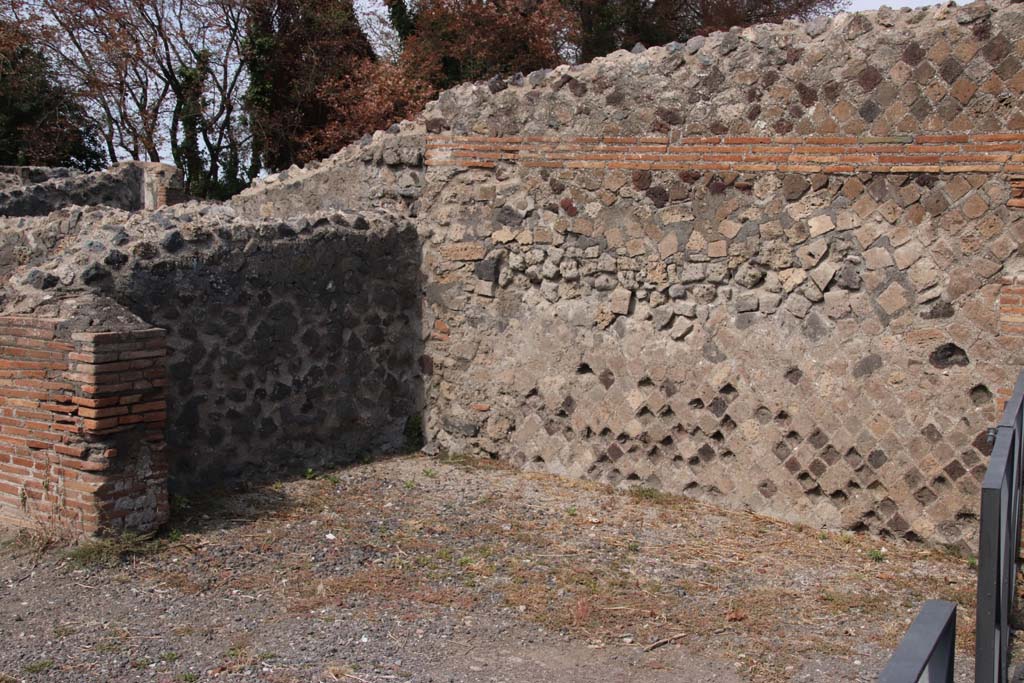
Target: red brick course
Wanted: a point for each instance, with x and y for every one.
(1001, 153)
(1011, 306)
(74, 411)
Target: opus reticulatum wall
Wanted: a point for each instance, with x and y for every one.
(772, 268)
(775, 268)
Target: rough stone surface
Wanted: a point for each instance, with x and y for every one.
(837, 275)
(769, 336)
(292, 343)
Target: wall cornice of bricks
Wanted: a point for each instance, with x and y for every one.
(1001, 153)
(82, 418)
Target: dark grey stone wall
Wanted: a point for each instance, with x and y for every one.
(291, 344)
(117, 187)
(291, 356)
(26, 241)
(19, 176)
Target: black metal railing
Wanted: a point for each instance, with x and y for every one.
(999, 544)
(926, 652)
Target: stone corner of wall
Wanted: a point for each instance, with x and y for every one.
(82, 413)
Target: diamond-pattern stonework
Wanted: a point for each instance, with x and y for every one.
(778, 268)
(828, 394)
(887, 82)
(909, 262)
(895, 144)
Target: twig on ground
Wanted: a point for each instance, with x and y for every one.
(664, 641)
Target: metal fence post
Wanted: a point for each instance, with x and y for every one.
(925, 655)
(927, 651)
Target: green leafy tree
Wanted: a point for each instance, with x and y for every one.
(186, 126)
(42, 123)
(402, 17)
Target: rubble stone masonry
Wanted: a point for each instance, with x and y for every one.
(776, 268)
(274, 346)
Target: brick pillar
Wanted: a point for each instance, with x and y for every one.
(161, 185)
(82, 417)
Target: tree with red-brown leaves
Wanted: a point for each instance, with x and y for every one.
(443, 43)
(454, 41)
(306, 60)
(231, 87)
(373, 96)
(446, 42)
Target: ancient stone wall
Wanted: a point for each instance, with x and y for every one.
(129, 186)
(49, 208)
(762, 268)
(289, 349)
(82, 414)
(384, 170)
(775, 268)
(841, 370)
(118, 186)
(291, 343)
(29, 240)
(12, 177)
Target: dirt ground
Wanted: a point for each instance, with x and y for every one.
(419, 569)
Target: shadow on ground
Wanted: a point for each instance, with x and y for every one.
(418, 569)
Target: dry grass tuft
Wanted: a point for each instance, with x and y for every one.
(113, 550)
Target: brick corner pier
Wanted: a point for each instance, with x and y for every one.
(82, 414)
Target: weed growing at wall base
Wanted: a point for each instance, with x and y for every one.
(112, 551)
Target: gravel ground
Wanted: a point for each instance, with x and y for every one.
(417, 569)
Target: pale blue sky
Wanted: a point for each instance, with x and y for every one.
(854, 5)
(875, 4)
(384, 41)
